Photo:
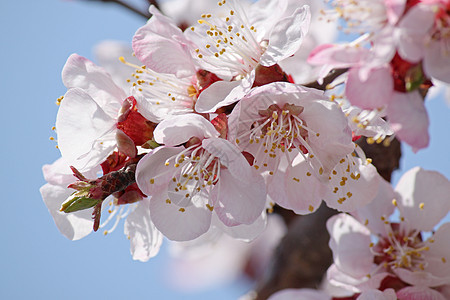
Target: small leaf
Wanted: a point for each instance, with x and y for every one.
(151, 144)
(76, 203)
(414, 78)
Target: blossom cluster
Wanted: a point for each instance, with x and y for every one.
(214, 128)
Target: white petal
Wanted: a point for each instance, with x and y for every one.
(349, 242)
(73, 226)
(357, 192)
(438, 257)
(355, 285)
(245, 232)
(86, 134)
(59, 173)
(179, 129)
(152, 174)
(237, 201)
(381, 206)
(425, 198)
(304, 193)
(145, 239)
(334, 140)
(220, 93)
(287, 36)
(230, 156)
(264, 15)
(79, 72)
(179, 224)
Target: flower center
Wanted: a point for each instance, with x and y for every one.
(441, 30)
(278, 130)
(231, 42)
(400, 249)
(198, 171)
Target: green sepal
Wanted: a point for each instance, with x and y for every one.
(151, 144)
(414, 78)
(76, 203)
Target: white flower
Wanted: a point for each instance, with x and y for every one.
(399, 249)
(234, 46)
(187, 183)
(280, 118)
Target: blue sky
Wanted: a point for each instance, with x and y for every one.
(37, 262)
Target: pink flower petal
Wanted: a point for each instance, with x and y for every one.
(375, 92)
(436, 56)
(338, 56)
(419, 293)
(419, 278)
(409, 119)
(425, 198)
(107, 53)
(162, 47)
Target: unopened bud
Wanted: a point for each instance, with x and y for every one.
(76, 203)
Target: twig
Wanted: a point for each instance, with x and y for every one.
(154, 3)
(144, 14)
(327, 80)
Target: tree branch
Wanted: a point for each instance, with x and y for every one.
(327, 80)
(144, 14)
(302, 257)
